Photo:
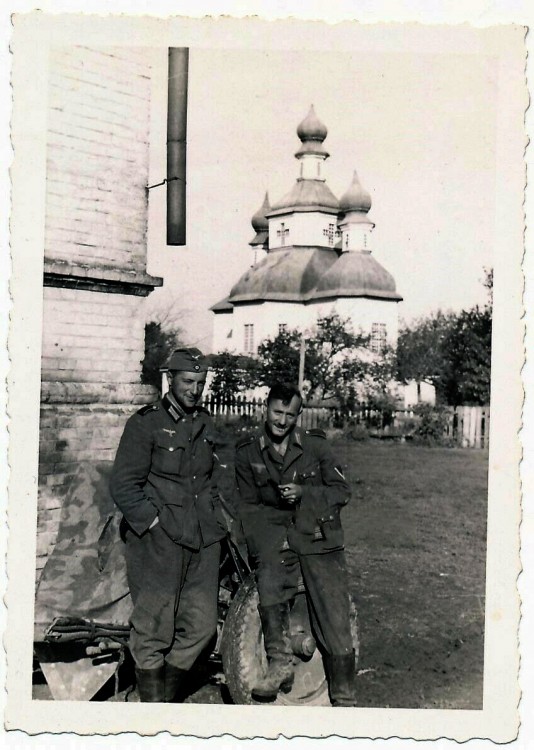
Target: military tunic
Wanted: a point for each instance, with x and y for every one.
(166, 466)
(286, 540)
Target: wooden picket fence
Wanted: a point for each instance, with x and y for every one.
(466, 426)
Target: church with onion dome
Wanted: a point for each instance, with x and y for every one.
(312, 256)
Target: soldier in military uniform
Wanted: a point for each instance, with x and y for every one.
(291, 491)
(163, 482)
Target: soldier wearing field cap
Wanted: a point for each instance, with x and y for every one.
(163, 483)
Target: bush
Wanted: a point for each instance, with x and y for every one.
(356, 432)
(432, 425)
(234, 426)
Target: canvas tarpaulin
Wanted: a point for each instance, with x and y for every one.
(83, 586)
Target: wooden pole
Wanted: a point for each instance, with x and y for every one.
(301, 361)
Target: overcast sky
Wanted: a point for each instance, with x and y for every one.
(418, 128)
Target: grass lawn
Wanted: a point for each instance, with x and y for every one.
(416, 543)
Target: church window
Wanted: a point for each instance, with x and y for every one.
(282, 233)
(249, 339)
(378, 337)
(330, 233)
(282, 328)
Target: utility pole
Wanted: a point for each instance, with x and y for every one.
(302, 360)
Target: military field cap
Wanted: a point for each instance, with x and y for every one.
(188, 360)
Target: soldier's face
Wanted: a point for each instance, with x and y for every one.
(281, 418)
(187, 388)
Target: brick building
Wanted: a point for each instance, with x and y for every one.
(95, 278)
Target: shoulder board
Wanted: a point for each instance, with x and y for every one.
(245, 441)
(317, 433)
(147, 409)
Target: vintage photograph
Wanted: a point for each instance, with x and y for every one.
(269, 281)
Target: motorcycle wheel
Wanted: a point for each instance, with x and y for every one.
(243, 655)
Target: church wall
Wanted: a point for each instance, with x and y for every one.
(224, 335)
(305, 227)
(95, 264)
(267, 317)
(363, 312)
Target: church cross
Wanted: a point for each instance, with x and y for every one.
(282, 232)
(330, 232)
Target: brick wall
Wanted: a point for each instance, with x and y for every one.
(97, 156)
(95, 265)
(92, 336)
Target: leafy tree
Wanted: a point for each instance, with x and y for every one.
(336, 358)
(231, 374)
(338, 363)
(451, 351)
(278, 359)
(468, 351)
(421, 351)
(159, 343)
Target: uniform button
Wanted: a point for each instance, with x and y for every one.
(194, 476)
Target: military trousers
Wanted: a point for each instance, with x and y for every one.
(174, 592)
(327, 592)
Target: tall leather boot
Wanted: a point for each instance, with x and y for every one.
(151, 684)
(175, 683)
(341, 673)
(280, 672)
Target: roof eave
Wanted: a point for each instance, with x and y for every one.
(285, 210)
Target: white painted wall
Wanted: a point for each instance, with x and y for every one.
(356, 236)
(411, 396)
(223, 325)
(305, 228)
(311, 167)
(267, 317)
(364, 312)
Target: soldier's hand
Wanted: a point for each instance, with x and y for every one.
(290, 493)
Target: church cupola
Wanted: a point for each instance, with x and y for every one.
(260, 224)
(311, 154)
(355, 225)
(307, 215)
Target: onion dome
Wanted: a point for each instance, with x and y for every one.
(357, 275)
(312, 133)
(260, 223)
(311, 128)
(356, 198)
(259, 220)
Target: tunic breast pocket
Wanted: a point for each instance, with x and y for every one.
(261, 475)
(267, 491)
(310, 475)
(168, 454)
